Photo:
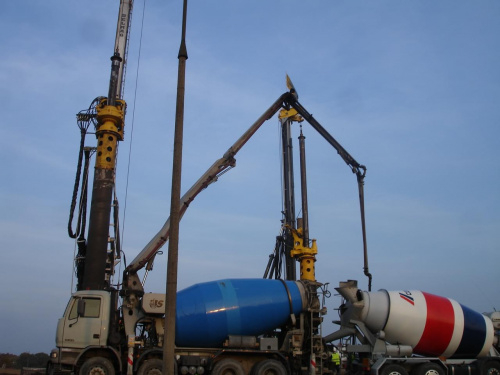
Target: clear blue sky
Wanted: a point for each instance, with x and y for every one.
(409, 88)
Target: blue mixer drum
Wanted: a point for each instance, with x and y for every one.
(208, 313)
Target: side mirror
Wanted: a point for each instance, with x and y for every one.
(80, 309)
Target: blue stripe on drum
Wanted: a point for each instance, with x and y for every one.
(474, 334)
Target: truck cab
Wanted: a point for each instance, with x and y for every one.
(84, 325)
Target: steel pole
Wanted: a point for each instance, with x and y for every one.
(303, 189)
(288, 196)
(173, 245)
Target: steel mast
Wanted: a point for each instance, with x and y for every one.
(109, 131)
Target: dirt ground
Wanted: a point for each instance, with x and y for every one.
(9, 371)
(25, 371)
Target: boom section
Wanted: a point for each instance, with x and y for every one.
(121, 42)
(222, 165)
(358, 169)
(348, 159)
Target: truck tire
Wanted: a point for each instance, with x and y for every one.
(97, 366)
(490, 368)
(269, 367)
(429, 368)
(393, 369)
(228, 367)
(152, 366)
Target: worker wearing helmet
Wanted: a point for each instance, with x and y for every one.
(335, 359)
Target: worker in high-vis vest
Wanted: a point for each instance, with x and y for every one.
(335, 359)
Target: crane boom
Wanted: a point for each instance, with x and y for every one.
(218, 168)
(121, 41)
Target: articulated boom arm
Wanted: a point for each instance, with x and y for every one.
(222, 165)
(358, 169)
(146, 257)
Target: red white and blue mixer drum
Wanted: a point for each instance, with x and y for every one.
(432, 325)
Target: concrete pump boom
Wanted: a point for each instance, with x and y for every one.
(221, 166)
(287, 100)
(358, 169)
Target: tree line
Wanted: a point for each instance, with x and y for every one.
(8, 360)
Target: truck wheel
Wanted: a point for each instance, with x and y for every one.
(269, 367)
(393, 369)
(152, 366)
(97, 366)
(490, 368)
(429, 368)
(228, 367)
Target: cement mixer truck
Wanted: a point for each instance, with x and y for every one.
(408, 331)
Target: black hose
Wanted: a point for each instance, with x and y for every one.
(72, 234)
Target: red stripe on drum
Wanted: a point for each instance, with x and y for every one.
(439, 326)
